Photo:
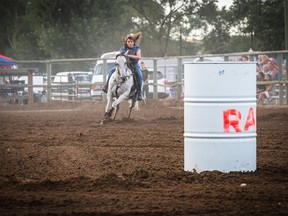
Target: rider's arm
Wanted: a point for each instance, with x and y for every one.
(137, 56)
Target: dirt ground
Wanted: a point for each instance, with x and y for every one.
(56, 159)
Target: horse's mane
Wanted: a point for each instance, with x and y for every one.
(119, 54)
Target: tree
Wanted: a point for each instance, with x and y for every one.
(11, 12)
(163, 20)
(217, 29)
(64, 29)
(70, 29)
(78, 28)
(263, 21)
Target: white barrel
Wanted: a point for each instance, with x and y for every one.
(220, 116)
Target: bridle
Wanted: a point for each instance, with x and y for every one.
(128, 67)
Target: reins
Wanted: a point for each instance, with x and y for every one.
(129, 66)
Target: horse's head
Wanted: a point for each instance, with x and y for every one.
(122, 66)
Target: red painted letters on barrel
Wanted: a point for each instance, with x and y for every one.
(232, 118)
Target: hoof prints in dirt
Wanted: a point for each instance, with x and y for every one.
(61, 163)
(105, 181)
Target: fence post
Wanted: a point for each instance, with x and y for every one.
(48, 72)
(179, 79)
(30, 86)
(104, 72)
(286, 77)
(155, 90)
(279, 60)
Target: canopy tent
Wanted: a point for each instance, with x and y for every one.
(6, 62)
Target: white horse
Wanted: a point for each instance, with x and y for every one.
(120, 87)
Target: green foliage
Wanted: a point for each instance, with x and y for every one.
(217, 40)
(51, 29)
(10, 11)
(162, 21)
(65, 29)
(263, 21)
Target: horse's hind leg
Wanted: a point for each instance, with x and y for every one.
(129, 112)
(132, 104)
(116, 111)
(136, 106)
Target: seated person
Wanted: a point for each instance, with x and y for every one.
(261, 61)
(260, 77)
(274, 69)
(269, 88)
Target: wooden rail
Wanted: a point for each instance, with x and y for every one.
(156, 64)
(21, 72)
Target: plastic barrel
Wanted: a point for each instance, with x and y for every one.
(220, 116)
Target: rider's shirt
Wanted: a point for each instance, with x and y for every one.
(132, 51)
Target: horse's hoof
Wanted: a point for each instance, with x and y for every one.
(107, 115)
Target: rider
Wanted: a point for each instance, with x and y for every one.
(134, 55)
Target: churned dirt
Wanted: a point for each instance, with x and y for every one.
(56, 159)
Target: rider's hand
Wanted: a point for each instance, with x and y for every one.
(125, 54)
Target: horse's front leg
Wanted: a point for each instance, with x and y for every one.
(109, 102)
(116, 111)
(117, 102)
(120, 99)
(109, 109)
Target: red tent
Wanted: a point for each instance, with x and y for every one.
(6, 62)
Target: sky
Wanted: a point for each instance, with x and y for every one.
(222, 3)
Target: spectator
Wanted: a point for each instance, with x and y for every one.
(145, 75)
(274, 69)
(262, 60)
(269, 88)
(260, 77)
(244, 58)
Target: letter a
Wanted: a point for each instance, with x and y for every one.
(250, 121)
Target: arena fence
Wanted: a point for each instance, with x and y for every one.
(38, 75)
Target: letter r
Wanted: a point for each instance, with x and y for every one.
(228, 122)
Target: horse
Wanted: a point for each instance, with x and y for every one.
(121, 87)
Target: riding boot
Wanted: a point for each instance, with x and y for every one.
(140, 97)
(105, 87)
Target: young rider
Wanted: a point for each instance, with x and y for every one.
(134, 55)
